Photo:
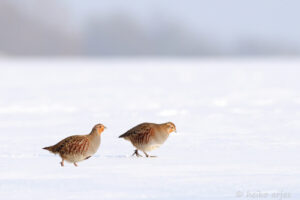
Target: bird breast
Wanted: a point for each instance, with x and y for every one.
(94, 144)
(161, 137)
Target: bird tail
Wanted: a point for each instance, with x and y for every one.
(50, 148)
(125, 136)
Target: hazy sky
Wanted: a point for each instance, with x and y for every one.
(277, 19)
(274, 23)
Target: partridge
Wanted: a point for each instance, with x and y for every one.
(148, 136)
(78, 147)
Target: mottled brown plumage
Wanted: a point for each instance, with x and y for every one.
(78, 147)
(148, 136)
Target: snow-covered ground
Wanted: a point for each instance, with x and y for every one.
(238, 125)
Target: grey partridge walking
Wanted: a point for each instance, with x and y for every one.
(148, 136)
(78, 147)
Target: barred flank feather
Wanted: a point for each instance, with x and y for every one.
(140, 134)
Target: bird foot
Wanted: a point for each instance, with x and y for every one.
(147, 155)
(62, 163)
(75, 164)
(136, 153)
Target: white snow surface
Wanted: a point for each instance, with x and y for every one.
(238, 124)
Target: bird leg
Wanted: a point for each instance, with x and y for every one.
(147, 155)
(62, 162)
(136, 153)
(75, 164)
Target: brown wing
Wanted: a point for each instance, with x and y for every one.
(72, 145)
(139, 134)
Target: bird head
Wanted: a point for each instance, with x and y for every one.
(99, 128)
(171, 127)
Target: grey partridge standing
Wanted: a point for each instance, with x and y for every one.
(148, 136)
(78, 147)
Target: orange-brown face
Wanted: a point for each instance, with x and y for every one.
(171, 127)
(100, 128)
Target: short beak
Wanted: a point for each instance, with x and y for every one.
(175, 131)
(105, 127)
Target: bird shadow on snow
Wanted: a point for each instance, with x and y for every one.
(111, 156)
(119, 156)
(95, 156)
